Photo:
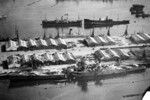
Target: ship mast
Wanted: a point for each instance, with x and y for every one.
(108, 33)
(126, 31)
(16, 32)
(44, 35)
(93, 33)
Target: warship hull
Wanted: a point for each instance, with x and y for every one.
(105, 74)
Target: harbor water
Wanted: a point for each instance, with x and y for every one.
(27, 16)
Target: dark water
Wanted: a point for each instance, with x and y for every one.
(27, 15)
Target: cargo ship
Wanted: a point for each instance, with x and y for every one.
(61, 23)
(103, 23)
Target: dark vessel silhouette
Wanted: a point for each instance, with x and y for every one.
(61, 23)
(103, 23)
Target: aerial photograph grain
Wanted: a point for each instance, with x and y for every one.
(74, 49)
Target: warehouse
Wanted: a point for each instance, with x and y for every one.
(42, 43)
(137, 38)
(22, 45)
(11, 45)
(110, 40)
(61, 43)
(101, 55)
(90, 41)
(32, 44)
(100, 40)
(145, 36)
(112, 53)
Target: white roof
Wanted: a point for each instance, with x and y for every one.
(109, 39)
(52, 42)
(112, 52)
(100, 39)
(145, 36)
(59, 56)
(22, 43)
(32, 42)
(61, 41)
(103, 53)
(36, 57)
(141, 38)
(91, 40)
(25, 58)
(11, 45)
(48, 57)
(69, 56)
(42, 42)
(123, 52)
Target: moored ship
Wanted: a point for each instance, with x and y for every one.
(61, 23)
(103, 23)
(107, 71)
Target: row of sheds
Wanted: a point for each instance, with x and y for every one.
(32, 44)
(111, 54)
(99, 41)
(140, 37)
(36, 60)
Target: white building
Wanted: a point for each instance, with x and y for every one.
(100, 40)
(51, 42)
(42, 42)
(32, 43)
(123, 53)
(145, 36)
(11, 45)
(91, 41)
(110, 40)
(102, 55)
(113, 53)
(137, 38)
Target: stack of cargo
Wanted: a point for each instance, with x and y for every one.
(32, 44)
(99, 41)
(41, 59)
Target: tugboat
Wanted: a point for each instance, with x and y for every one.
(103, 23)
(61, 23)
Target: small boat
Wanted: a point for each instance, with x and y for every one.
(103, 23)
